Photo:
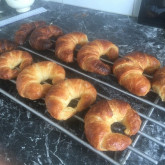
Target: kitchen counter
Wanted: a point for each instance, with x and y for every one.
(27, 139)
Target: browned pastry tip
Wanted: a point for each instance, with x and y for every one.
(11, 63)
(6, 45)
(89, 55)
(99, 119)
(66, 44)
(40, 37)
(158, 83)
(59, 96)
(31, 82)
(129, 72)
(25, 29)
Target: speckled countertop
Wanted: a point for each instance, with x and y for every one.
(27, 139)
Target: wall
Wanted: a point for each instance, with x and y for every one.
(125, 7)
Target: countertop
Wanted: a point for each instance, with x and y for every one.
(27, 139)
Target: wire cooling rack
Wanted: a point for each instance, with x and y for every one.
(104, 85)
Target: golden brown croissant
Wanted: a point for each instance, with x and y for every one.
(129, 72)
(59, 96)
(25, 29)
(29, 80)
(6, 45)
(40, 37)
(11, 63)
(99, 119)
(88, 56)
(158, 83)
(66, 44)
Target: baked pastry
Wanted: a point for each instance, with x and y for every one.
(129, 72)
(6, 45)
(98, 122)
(88, 56)
(158, 82)
(25, 29)
(11, 63)
(40, 37)
(60, 95)
(66, 44)
(31, 81)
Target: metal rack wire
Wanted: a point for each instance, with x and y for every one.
(146, 117)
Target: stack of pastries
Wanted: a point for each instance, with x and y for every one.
(31, 80)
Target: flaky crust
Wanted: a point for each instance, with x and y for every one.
(40, 37)
(66, 44)
(158, 83)
(99, 119)
(29, 80)
(60, 95)
(25, 29)
(11, 63)
(129, 72)
(6, 45)
(89, 55)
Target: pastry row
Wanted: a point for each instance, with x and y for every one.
(128, 69)
(31, 83)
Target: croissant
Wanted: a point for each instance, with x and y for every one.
(11, 63)
(25, 29)
(40, 37)
(88, 56)
(6, 45)
(158, 83)
(98, 122)
(31, 83)
(129, 72)
(60, 95)
(66, 44)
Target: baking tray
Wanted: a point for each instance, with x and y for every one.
(147, 143)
